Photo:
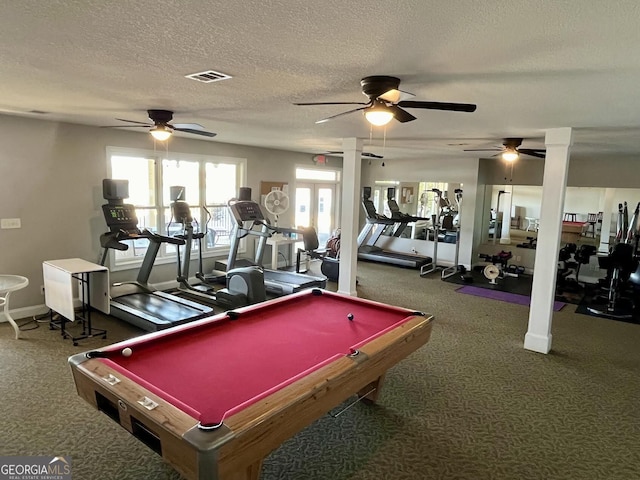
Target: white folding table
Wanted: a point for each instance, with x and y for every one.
(93, 290)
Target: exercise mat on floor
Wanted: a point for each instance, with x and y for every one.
(503, 296)
(520, 284)
(624, 313)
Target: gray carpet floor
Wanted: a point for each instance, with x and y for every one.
(470, 404)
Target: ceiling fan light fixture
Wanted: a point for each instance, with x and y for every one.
(510, 155)
(378, 115)
(161, 132)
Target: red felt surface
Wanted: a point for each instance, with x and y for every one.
(219, 367)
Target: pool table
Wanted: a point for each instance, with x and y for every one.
(215, 396)
(572, 231)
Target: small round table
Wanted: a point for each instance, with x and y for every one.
(8, 284)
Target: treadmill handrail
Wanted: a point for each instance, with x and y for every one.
(123, 235)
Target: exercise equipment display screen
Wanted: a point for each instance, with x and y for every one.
(247, 211)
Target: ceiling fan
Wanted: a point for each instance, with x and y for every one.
(386, 100)
(363, 154)
(511, 150)
(161, 129)
(368, 155)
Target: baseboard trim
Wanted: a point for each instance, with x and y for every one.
(30, 311)
(537, 343)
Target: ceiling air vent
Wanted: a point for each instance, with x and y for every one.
(208, 76)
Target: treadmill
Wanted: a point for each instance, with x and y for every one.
(138, 302)
(244, 286)
(374, 227)
(404, 219)
(251, 220)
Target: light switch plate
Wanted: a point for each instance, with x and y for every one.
(10, 223)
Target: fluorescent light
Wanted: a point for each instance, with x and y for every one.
(161, 132)
(378, 114)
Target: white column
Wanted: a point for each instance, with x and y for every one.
(505, 203)
(605, 227)
(351, 172)
(556, 165)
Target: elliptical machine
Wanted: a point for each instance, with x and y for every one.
(245, 286)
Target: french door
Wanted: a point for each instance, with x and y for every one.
(316, 207)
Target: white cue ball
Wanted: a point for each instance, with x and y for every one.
(126, 352)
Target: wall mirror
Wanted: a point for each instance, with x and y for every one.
(417, 199)
(586, 205)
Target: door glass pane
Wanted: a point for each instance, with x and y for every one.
(303, 207)
(325, 209)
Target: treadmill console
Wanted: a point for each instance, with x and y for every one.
(246, 210)
(120, 217)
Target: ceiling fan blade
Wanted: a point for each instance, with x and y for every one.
(193, 126)
(195, 132)
(401, 115)
(146, 124)
(331, 103)
(126, 126)
(483, 150)
(533, 152)
(340, 114)
(454, 107)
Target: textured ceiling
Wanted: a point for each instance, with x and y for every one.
(528, 65)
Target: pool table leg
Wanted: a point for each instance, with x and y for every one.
(371, 391)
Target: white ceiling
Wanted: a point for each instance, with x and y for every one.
(528, 65)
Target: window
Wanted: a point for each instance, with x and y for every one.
(209, 183)
(316, 174)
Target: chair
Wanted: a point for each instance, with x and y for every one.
(570, 217)
(592, 220)
(311, 244)
(599, 220)
(532, 224)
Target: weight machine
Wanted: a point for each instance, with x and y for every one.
(443, 223)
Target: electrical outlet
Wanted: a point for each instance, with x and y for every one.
(41, 289)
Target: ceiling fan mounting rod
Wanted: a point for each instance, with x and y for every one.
(512, 142)
(160, 116)
(377, 85)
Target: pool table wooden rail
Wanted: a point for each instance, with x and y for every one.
(236, 450)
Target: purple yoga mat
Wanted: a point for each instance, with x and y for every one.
(503, 296)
